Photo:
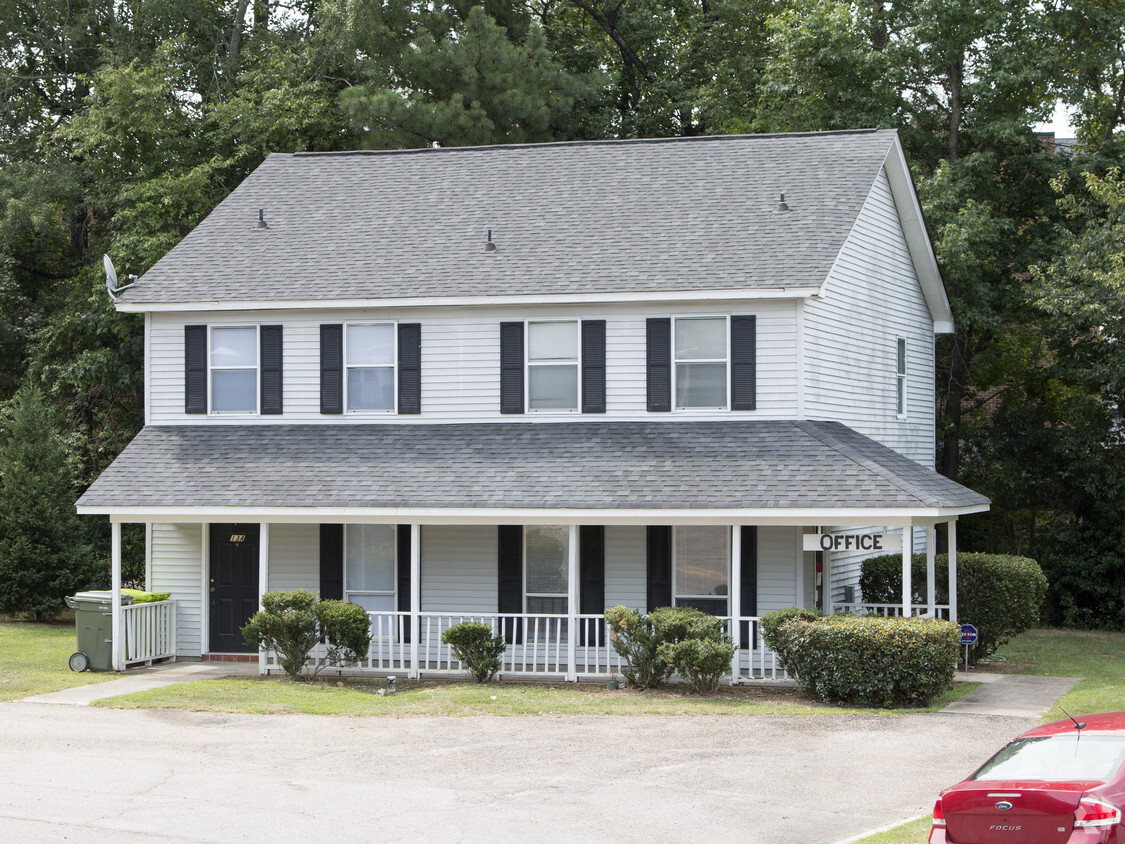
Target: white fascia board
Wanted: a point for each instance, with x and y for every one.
(732, 294)
(474, 516)
(918, 237)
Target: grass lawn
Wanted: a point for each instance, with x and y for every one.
(33, 659)
(1098, 658)
(357, 696)
(914, 832)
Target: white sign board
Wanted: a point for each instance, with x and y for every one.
(882, 543)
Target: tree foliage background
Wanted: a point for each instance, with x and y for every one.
(123, 122)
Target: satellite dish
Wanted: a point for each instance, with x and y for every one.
(111, 279)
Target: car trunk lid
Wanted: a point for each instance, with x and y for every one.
(992, 812)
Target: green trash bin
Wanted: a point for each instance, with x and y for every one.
(93, 618)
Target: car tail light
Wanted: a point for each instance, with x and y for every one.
(1091, 812)
(939, 815)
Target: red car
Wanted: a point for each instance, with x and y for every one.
(1063, 783)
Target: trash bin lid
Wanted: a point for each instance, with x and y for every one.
(100, 596)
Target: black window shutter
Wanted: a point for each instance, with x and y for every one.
(591, 580)
(332, 562)
(510, 579)
(511, 367)
(593, 366)
(659, 359)
(331, 369)
(659, 553)
(270, 339)
(410, 368)
(195, 369)
(743, 362)
(404, 578)
(749, 592)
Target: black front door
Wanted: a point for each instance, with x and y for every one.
(234, 585)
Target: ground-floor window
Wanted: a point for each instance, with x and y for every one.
(546, 563)
(701, 561)
(369, 566)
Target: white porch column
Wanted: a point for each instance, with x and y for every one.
(118, 644)
(415, 597)
(263, 578)
(572, 605)
(952, 537)
(931, 578)
(735, 599)
(907, 553)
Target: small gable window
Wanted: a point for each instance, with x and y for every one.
(552, 365)
(700, 356)
(234, 369)
(370, 361)
(900, 377)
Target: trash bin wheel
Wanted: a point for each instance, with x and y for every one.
(79, 661)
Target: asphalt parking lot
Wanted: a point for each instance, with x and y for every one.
(91, 774)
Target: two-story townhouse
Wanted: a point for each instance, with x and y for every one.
(521, 384)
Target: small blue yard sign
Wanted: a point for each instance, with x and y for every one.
(968, 634)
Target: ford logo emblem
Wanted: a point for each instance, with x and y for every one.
(1003, 805)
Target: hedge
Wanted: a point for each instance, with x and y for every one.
(778, 642)
(998, 594)
(872, 661)
(681, 639)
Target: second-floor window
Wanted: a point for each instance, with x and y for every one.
(552, 365)
(234, 369)
(700, 356)
(900, 377)
(369, 352)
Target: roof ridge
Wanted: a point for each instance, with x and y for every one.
(582, 143)
(827, 437)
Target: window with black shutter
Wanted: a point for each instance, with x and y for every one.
(404, 581)
(511, 367)
(509, 598)
(593, 366)
(270, 338)
(743, 362)
(409, 368)
(195, 368)
(591, 583)
(659, 363)
(331, 369)
(748, 596)
(332, 562)
(659, 566)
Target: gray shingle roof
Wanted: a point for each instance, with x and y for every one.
(574, 465)
(592, 217)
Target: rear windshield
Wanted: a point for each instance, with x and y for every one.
(1068, 757)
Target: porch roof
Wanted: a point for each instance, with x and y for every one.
(737, 468)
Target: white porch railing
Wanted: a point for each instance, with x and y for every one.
(538, 646)
(150, 631)
(894, 610)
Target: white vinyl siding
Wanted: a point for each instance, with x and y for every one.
(780, 565)
(461, 361)
(294, 557)
(626, 567)
(459, 569)
(176, 566)
(871, 299)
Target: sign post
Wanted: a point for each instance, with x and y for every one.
(969, 637)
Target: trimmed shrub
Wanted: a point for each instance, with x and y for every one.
(287, 625)
(346, 630)
(668, 639)
(999, 594)
(778, 642)
(873, 661)
(702, 662)
(636, 641)
(478, 647)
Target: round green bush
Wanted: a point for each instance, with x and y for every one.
(873, 661)
(999, 594)
(475, 644)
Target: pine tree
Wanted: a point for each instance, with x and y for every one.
(42, 553)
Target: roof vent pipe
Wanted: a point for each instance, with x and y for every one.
(781, 206)
(261, 219)
(489, 246)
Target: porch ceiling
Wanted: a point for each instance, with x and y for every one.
(795, 472)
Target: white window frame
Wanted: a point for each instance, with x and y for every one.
(393, 367)
(394, 571)
(724, 360)
(576, 363)
(527, 594)
(901, 367)
(675, 570)
(257, 371)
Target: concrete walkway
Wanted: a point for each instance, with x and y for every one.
(143, 679)
(1018, 695)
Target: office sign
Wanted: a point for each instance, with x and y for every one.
(881, 543)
